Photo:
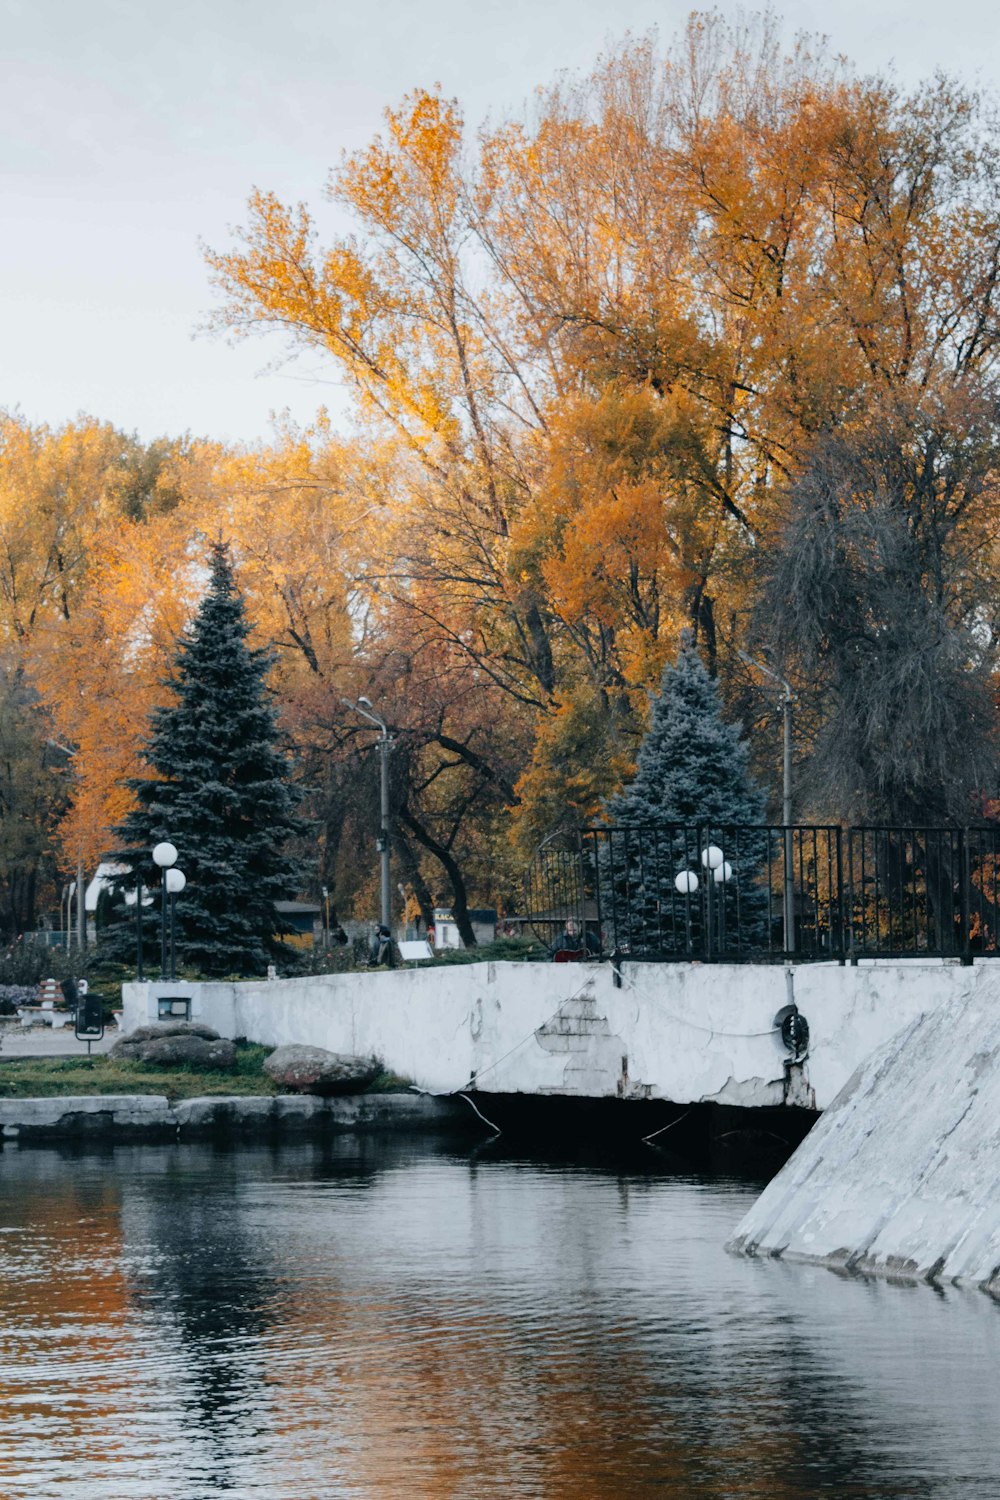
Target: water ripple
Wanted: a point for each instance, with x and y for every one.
(180, 1323)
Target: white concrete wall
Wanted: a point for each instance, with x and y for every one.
(685, 1032)
(901, 1177)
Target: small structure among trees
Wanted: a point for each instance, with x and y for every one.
(220, 791)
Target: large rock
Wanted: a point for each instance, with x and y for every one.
(314, 1070)
(169, 1028)
(177, 1049)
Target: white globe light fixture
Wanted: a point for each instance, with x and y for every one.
(686, 883)
(712, 857)
(722, 872)
(164, 855)
(174, 882)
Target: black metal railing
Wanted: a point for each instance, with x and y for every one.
(766, 892)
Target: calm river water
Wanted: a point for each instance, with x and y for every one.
(372, 1319)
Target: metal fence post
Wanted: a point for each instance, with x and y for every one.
(593, 844)
(789, 891)
(964, 894)
(841, 913)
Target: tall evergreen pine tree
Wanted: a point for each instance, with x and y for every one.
(692, 765)
(221, 792)
(693, 771)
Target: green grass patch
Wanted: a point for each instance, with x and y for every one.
(55, 1077)
(52, 1077)
(388, 1083)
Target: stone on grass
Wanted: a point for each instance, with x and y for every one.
(210, 1053)
(171, 1028)
(314, 1070)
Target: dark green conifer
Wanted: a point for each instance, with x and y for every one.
(220, 792)
(692, 789)
(692, 765)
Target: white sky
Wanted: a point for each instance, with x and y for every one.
(130, 129)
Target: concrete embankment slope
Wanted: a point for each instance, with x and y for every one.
(901, 1176)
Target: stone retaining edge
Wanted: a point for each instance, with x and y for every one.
(127, 1116)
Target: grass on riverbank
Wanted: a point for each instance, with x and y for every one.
(56, 1077)
(51, 1077)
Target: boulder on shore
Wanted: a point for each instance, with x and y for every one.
(177, 1043)
(314, 1070)
(157, 1029)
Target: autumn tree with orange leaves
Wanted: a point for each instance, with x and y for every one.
(594, 352)
(604, 338)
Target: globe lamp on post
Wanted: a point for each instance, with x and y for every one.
(176, 880)
(139, 970)
(717, 874)
(713, 860)
(164, 856)
(722, 873)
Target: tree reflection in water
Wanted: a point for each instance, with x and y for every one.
(372, 1319)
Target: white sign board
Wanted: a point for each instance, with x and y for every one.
(409, 952)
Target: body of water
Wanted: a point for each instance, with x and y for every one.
(370, 1318)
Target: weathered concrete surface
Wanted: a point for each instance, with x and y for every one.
(86, 1115)
(901, 1177)
(689, 1033)
(127, 1116)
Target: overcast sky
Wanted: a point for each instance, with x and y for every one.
(130, 129)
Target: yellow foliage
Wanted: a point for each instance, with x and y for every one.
(588, 348)
(57, 488)
(579, 759)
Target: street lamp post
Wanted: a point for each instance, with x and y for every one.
(717, 873)
(139, 974)
(365, 709)
(67, 917)
(164, 856)
(176, 881)
(786, 797)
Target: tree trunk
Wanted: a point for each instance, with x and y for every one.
(542, 646)
(411, 869)
(701, 613)
(459, 897)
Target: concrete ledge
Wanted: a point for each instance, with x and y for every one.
(685, 1033)
(151, 1116)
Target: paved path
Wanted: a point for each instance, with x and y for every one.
(48, 1041)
